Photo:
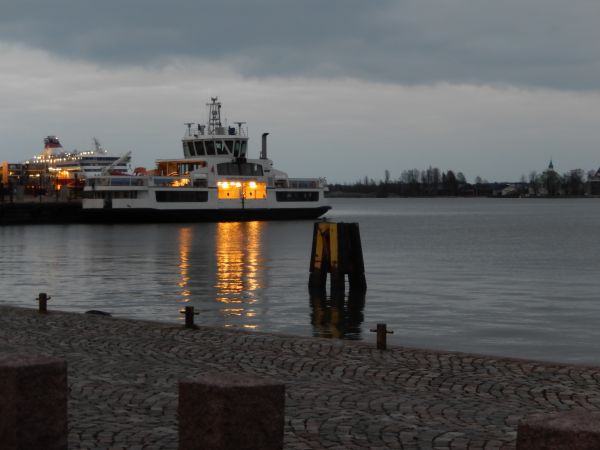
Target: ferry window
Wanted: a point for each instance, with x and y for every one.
(120, 181)
(248, 169)
(162, 181)
(243, 151)
(188, 147)
(199, 148)
(210, 147)
(303, 184)
(297, 196)
(110, 194)
(236, 151)
(251, 169)
(220, 148)
(181, 196)
(229, 145)
(249, 190)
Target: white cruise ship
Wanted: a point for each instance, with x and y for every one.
(71, 168)
(214, 180)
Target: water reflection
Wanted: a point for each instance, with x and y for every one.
(185, 240)
(240, 269)
(337, 316)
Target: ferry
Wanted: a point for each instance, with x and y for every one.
(215, 180)
(72, 168)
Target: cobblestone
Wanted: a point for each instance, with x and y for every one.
(123, 377)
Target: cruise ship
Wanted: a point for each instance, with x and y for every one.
(214, 180)
(72, 168)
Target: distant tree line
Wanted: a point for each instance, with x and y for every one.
(435, 182)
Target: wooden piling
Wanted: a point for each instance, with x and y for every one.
(337, 251)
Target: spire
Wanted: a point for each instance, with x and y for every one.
(550, 166)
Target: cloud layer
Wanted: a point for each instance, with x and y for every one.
(343, 129)
(532, 43)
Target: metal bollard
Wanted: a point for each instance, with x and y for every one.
(42, 299)
(382, 333)
(189, 316)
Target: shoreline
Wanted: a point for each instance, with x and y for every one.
(123, 377)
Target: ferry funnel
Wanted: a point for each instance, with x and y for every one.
(263, 153)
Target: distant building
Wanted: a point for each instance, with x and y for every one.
(550, 181)
(595, 183)
(11, 173)
(509, 191)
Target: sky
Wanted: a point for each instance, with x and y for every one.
(346, 89)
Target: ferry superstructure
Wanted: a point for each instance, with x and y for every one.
(214, 180)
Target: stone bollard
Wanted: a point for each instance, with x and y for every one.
(222, 411)
(33, 402)
(573, 430)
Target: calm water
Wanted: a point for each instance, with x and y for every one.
(508, 277)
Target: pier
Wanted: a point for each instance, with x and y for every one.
(123, 377)
(39, 210)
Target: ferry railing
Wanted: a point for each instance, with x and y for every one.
(303, 183)
(118, 181)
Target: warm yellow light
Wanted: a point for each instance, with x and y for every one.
(252, 185)
(225, 185)
(180, 182)
(238, 184)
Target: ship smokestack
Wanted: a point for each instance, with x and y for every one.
(263, 153)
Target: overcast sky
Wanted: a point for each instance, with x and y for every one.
(346, 88)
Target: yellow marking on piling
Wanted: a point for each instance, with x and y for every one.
(333, 245)
(319, 250)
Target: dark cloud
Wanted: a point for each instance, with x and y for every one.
(545, 43)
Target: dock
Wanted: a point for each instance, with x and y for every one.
(40, 212)
(123, 376)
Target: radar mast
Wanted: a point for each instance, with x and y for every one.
(214, 115)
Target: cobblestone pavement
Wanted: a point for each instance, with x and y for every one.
(123, 378)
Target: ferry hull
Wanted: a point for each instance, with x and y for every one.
(70, 213)
(147, 215)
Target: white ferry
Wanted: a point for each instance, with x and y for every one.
(215, 180)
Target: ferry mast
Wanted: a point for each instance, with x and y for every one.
(214, 115)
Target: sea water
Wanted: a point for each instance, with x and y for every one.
(511, 277)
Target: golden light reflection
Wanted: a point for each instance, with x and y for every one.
(239, 267)
(185, 239)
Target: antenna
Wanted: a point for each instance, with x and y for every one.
(214, 115)
(97, 146)
(189, 128)
(239, 124)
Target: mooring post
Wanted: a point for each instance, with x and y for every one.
(319, 258)
(356, 275)
(189, 316)
(336, 249)
(43, 299)
(382, 333)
